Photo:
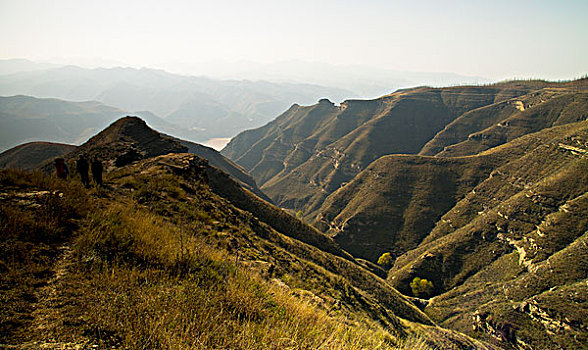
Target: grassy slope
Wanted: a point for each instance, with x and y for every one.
(309, 152)
(511, 245)
(393, 204)
(158, 260)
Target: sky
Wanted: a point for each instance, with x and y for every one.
(493, 39)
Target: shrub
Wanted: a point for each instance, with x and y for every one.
(385, 260)
(421, 287)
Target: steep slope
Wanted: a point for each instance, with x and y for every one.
(493, 125)
(219, 161)
(309, 152)
(31, 155)
(512, 246)
(393, 204)
(127, 140)
(130, 139)
(163, 258)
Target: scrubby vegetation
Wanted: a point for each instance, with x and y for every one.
(155, 261)
(421, 287)
(385, 260)
(37, 215)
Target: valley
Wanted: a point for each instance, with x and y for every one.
(478, 193)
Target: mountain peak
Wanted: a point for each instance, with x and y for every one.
(129, 139)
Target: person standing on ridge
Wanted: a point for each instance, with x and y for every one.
(82, 166)
(61, 168)
(97, 171)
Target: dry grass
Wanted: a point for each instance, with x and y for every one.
(165, 289)
(150, 268)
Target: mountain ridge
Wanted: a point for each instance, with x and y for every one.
(488, 210)
(316, 155)
(169, 235)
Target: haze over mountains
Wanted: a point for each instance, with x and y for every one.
(195, 108)
(477, 189)
(362, 81)
(203, 108)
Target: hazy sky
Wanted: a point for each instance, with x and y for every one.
(495, 39)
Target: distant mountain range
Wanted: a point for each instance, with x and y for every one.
(362, 81)
(27, 119)
(204, 108)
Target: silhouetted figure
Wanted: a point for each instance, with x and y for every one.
(82, 166)
(61, 168)
(97, 171)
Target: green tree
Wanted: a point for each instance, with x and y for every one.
(421, 287)
(385, 260)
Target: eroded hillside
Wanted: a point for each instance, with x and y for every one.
(307, 153)
(490, 210)
(517, 242)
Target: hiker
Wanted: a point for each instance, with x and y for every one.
(61, 168)
(82, 166)
(97, 171)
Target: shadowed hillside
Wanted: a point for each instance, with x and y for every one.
(31, 155)
(498, 123)
(129, 139)
(490, 214)
(393, 204)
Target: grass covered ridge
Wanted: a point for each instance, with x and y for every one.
(157, 260)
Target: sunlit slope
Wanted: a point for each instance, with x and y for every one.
(308, 152)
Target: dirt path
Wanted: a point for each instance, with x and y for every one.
(48, 314)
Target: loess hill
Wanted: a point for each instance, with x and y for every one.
(480, 190)
(175, 253)
(309, 152)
